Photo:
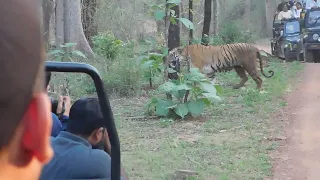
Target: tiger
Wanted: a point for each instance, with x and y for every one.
(212, 59)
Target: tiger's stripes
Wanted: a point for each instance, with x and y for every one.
(212, 59)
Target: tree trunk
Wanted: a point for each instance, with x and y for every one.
(69, 25)
(73, 30)
(247, 15)
(174, 37)
(191, 19)
(166, 37)
(215, 17)
(52, 27)
(59, 24)
(47, 11)
(174, 31)
(270, 10)
(206, 22)
(89, 9)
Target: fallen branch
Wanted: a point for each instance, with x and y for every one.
(139, 117)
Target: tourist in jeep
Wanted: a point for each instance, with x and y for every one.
(78, 151)
(296, 9)
(285, 13)
(312, 4)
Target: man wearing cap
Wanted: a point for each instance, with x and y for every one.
(24, 104)
(76, 153)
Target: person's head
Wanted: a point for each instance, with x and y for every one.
(298, 5)
(25, 125)
(285, 8)
(86, 120)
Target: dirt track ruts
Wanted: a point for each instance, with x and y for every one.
(299, 156)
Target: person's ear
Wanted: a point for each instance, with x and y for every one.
(99, 134)
(96, 135)
(36, 125)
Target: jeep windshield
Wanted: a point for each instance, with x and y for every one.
(314, 18)
(292, 28)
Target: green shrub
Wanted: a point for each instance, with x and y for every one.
(106, 45)
(123, 78)
(231, 33)
(202, 94)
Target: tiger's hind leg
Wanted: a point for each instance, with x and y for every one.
(255, 76)
(242, 73)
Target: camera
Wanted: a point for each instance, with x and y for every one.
(54, 106)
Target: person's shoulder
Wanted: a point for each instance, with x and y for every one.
(98, 163)
(97, 154)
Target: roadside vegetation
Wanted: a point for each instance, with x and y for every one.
(218, 133)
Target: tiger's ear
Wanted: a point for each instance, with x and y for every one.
(179, 49)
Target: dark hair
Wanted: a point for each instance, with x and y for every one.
(21, 64)
(48, 78)
(85, 117)
(298, 3)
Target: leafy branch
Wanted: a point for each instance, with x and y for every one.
(64, 54)
(202, 94)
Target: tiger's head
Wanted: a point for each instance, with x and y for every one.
(176, 56)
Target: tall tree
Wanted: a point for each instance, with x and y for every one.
(73, 30)
(174, 30)
(206, 22)
(174, 36)
(66, 24)
(89, 9)
(47, 11)
(191, 19)
(270, 10)
(59, 23)
(247, 15)
(190, 42)
(215, 19)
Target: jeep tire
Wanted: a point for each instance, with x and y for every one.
(287, 58)
(308, 56)
(300, 57)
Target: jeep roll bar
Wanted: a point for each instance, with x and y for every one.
(104, 103)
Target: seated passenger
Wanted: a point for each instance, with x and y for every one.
(285, 13)
(312, 4)
(297, 8)
(74, 157)
(280, 6)
(57, 125)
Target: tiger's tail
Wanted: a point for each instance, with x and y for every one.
(261, 66)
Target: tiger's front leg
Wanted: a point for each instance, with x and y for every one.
(212, 78)
(209, 73)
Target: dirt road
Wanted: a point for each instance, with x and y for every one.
(299, 157)
(263, 44)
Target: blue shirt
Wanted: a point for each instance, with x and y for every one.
(56, 125)
(74, 158)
